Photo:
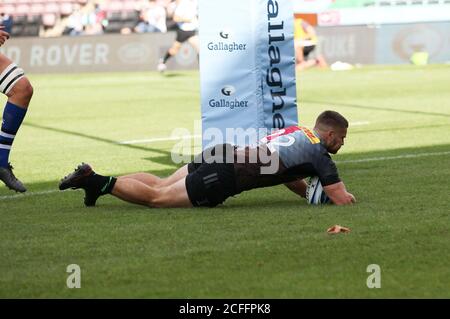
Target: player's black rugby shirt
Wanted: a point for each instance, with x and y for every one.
(300, 153)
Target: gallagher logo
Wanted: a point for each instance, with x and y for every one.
(228, 90)
(225, 43)
(228, 102)
(224, 34)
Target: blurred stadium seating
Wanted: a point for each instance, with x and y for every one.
(30, 15)
(121, 14)
(339, 4)
(37, 17)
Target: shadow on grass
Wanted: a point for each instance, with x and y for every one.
(165, 157)
(174, 74)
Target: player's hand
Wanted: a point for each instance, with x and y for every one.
(339, 195)
(352, 198)
(3, 35)
(347, 199)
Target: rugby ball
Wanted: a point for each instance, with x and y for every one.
(315, 195)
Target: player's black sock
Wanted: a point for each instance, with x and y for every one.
(99, 184)
(166, 57)
(96, 186)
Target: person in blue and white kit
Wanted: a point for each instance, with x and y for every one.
(15, 85)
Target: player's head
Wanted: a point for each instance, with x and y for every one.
(332, 128)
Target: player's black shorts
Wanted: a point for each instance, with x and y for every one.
(211, 179)
(307, 50)
(183, 36)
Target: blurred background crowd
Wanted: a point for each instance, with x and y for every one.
(326, 31)
(50, 18)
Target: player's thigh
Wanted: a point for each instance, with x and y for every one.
(299, 53)
(174, 195)
(176, 46)
(194, 41)
(175, 177)
(4, 62)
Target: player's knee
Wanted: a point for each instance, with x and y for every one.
(24, 89)
(157, 200)
(11, 78)
(164, 182)
(160, 182)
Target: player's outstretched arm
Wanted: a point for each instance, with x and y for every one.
(339, 195)
(298, 187)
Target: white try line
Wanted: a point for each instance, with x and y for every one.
(24, 195)
(160, 139)
(362, 123)
(363, 160)
(388, 158)
(188, 137)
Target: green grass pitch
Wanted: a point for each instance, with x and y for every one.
(265, 243)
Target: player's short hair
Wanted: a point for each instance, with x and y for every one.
(332, 119)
